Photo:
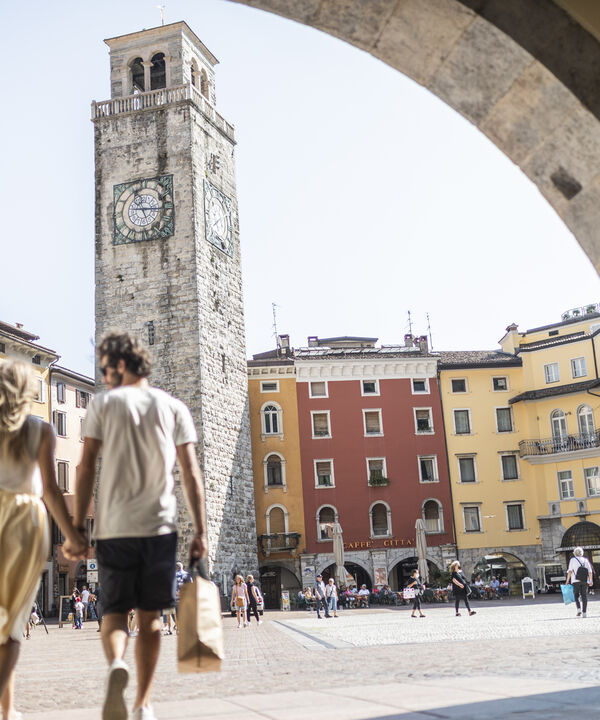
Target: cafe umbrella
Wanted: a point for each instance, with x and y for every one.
(421, 543)
(338, 554)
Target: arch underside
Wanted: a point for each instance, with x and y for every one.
(525, 74)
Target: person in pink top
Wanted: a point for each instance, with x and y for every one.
(240, 599)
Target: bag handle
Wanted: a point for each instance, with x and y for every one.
(197, 568)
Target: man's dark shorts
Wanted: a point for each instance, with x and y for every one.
(137, 572)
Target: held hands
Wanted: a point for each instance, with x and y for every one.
(198, 546)
(76, 546)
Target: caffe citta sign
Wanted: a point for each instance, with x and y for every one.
(387, 543)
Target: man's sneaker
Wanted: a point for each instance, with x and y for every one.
(584, 614)
(144, 713)
(579, 613)
(114, 707)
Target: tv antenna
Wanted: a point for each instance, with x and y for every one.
(274, 306)
(162, 13)
(429, 333)
(409, 323)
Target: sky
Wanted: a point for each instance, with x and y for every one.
(361, 195)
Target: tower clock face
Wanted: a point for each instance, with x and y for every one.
(217, 218)
(143, 210)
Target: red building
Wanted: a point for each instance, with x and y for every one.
(373, 456)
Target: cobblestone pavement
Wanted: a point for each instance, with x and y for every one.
(508, 649)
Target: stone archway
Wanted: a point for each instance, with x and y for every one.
(525, 74)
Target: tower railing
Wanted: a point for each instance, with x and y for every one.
(159, 98)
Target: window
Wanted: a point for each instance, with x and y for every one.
(565, 485)
(40, 390)
(271, 419)
(372, 422)
(36, 360)
(514, 516)
(60, 423)
(432, 516)
(82, 398)
(551, 373)
(578, 368)
(558, 421)
(324, 473)
(62, 475)
(370, 387)
(585, 421)
(137, 75)
(510, 468)
(466, 469)
(423, 420)
(504, 420)
(158, 72)
(428, 468)
(472, 518)
(376, 471)
(325, 517)
(317, 389)
(592, 481)
(277, 522)
(462, 422)
(204, 83)
(459, 385)
(151, 332)
(499, 384)
(2, 347)
(420, 386)
(267, 386)
(194, 73)
(380, 515)
(274, 474)
(61, 391)
(320, 424)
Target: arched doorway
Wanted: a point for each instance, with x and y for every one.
(359, 574)
(586, 535)
(502, 565)
(274, 579)
(399, 575)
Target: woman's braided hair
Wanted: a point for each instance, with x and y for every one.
(17, 391)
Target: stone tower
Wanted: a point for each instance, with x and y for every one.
(168, 260)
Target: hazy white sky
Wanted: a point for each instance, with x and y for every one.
(361, 195)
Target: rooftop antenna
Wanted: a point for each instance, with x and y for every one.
(274, 306)
(409, 323)
(429, 333)
(162, 13)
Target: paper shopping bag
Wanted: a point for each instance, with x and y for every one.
(200, 631)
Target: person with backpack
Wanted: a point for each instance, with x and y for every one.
(460, 587)
(579, 575)
(416, 584)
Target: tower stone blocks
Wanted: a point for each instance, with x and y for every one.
(168, 260)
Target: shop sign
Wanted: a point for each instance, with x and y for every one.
(368, 544)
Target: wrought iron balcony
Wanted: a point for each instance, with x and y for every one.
(551, 446)
(278, 542)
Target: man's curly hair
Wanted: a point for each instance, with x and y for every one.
(122, 346)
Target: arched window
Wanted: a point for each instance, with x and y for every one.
(277, 518)
(381, 519)
(274, 471)
(558, 421)
(585, 421)
(432, 516)
(137, 75)
(194, 73)
(204, 83)
(326, 515)
(158, 72)
(271, 419)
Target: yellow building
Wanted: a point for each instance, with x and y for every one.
(277, 473)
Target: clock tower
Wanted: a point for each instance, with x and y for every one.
(168, 261)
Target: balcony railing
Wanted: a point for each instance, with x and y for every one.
(278, 542)
(158, 98)
(568, 443)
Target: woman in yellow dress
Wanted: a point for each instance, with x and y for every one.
(26, 475)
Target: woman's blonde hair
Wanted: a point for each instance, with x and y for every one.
(17, 391)
(453, 566)
(249, 578)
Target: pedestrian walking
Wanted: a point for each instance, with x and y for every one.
(142, 431)
(27, 475)
(253, 597)
(331, 594)
(579, 574)
(98, 607)
(240, 600)
(416, 584)
(460, 587)
(321, 598)
(79, 610)
(85, 599)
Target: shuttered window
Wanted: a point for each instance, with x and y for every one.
(324, 473)
(379, 519)
(318, 389)
(60, 392)
(373, 422)
(62, 472)
(320, 424)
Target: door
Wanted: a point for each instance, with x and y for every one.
(271, 589)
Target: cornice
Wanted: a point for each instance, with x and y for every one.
(396, 368)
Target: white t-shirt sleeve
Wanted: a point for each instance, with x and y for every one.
(92, 425)
(185, 430)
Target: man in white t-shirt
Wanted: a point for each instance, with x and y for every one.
(141, 431)
(85, 599)
(580, 575)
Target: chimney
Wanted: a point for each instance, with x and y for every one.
(422, 343)
(313, 341)
(283, 341)
(408, 340)
(510, 342)
(19, 325)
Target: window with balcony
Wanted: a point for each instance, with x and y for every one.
(472, 518)
(500, 384)
(515, 516)
(317, 389)
(62, 475)
(423, 421)
(432, 516)
(380, 517)
(372, 422)
(592, 481)
(578, 367)
(324, 477)
(61, 392)
(510, 467)
(326, 516)
(504, 419)
(369, 387)
(462, 422)
(585, 421)
(458, 385)
(466, 469)
(558, 420)
(376, 472)
(320, 425)
(566, 488)
(551, 373)
(428, 468)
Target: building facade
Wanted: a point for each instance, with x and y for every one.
(168, 261)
